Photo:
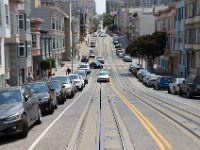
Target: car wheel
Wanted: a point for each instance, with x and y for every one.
(56, 105)
(24, 132)
(39, 120)
(51, 110)
(180, 92)
(168, 90)
(189, 94)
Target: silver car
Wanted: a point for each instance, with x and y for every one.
(85, 67)
(67, 82)
(78, 81)
(174, 86)
(103, 76)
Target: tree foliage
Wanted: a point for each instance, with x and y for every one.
(149, 46)
(108, 21)
(95, 24)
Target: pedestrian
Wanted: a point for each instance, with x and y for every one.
(68, 71)
(29, 78)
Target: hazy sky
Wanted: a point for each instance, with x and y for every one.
(100, 6)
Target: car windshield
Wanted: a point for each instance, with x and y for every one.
(84, 66)
(62, 79)
(82, 73)
(9, 97)
(55, 84)
(38, 87)
(74, 77)
(103, 73)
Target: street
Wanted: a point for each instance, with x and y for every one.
(120, 114)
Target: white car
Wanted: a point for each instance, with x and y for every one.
(85, 67)
(103, 76)
(78, 81)
(174, 86)
(67, 82)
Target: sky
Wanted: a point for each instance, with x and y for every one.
(100, 6)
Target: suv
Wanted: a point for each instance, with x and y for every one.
(162, 82)
(191, 86)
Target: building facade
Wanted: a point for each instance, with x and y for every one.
(192, 35)
(179, 42)
(165, 21)
(4, 33)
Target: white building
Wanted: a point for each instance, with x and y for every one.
(4, 33)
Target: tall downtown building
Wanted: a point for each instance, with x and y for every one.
(116, 5)
(88, 6)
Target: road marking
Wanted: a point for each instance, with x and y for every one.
(159, 139)
(49, 127)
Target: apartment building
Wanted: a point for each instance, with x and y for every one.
(165, 21)
(4, 33)
(179, 42)
(192, 35)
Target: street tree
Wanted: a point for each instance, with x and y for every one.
(108, 21)
(149, 46)
(95, 24)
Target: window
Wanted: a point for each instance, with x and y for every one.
(54, 43)
(198, 7)
(28, 24)
(22, 50)
(0, 53)
(29, 51)
(17, 24)
(0, 16)
(21, 21)
(53, 23)
(34, 42)
(7, 14)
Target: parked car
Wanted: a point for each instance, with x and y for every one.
(103, 76)
(118, 45)
(78, 81)
(19, 110)
(127, 58)
(45, 94)
(145, 78)
(83, 73)
(60, 91)
(115, 41)
(70, 88)
(190, 87)
(174, 86)
(141, 74)
(85, 67)
(100, 59)
(134, 65)
(84, 58)
(96, 65)
(151, 80)
(120, 54)
(162, 82)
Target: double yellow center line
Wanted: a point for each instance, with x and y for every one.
(162, 143)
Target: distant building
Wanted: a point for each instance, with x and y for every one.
(4, 33)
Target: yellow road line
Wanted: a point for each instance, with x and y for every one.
(159, 139)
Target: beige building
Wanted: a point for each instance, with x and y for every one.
(165, 21)
(192, 35)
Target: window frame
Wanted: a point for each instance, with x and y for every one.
(22, 46)
(22, 20)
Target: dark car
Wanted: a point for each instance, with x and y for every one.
(60, 91)
(191, 86)
(45, 94)
(162, 82)
(96, 65)
(83, 73)
(84, 58)
(19, 110)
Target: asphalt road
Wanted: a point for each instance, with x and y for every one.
(152, 120)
